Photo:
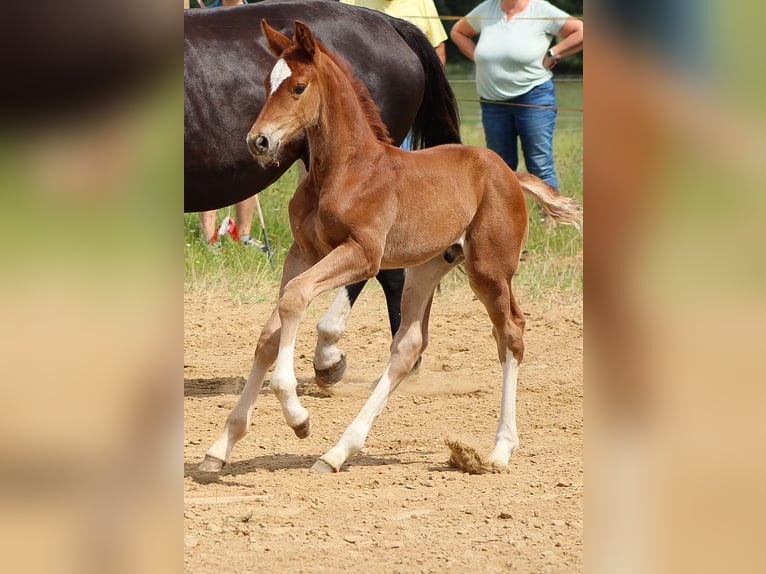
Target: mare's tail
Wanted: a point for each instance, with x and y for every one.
(437, 121)
(561, 208)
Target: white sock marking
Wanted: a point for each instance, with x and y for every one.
(507, 438)
(330, 329)
(283, 385)
(353, 438)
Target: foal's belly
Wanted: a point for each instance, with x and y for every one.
(410, 249)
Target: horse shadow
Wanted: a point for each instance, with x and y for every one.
(276, 462)
(217, 386)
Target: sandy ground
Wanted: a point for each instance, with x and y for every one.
(397, 506)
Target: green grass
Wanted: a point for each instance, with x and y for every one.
(554, 258)
(553, 263)
(243, 272)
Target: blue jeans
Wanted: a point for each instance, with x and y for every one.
(505, 124)
(407, 143)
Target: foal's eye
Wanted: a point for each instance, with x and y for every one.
(299, 89)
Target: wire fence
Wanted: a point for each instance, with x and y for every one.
(462, 87)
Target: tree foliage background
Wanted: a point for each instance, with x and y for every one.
(571, 65)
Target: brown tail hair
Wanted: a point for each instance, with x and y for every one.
(561, 208)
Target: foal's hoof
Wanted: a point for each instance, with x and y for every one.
(321, 467)
(303, 430)
(328, 377)
(416, 366)
(211, 464)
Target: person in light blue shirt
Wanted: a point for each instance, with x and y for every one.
(514, 59)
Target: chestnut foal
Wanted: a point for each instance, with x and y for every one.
(366, 206)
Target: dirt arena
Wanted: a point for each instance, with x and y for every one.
(397, 506)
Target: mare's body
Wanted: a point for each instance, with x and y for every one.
(366, 205)
(225, 59)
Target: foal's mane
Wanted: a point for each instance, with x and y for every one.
(369, 107)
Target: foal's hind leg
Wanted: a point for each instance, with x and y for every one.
(392, 281)
(406, 348)
(507, 437)
(508, 329)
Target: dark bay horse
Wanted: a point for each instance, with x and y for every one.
(366, 206)
(225, 57)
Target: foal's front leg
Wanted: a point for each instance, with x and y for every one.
(342, 266)
(238, 421)
(329, 360)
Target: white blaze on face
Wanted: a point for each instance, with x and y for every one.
(279, 74)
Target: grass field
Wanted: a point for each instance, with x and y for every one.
(553, 260)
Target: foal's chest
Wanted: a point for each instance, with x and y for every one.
(315, 228)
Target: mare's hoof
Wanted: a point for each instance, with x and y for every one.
(321, 467)
(328, 377)
(211, 464)
(303, 430)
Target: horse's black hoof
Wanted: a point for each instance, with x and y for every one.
(416, 366)
(328, 377)
(303, 430)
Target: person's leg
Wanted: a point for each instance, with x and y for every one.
(244, 217)
(207, 223)
(500, 131)
(536, 127)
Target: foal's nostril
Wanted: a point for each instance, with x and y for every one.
(261, 143)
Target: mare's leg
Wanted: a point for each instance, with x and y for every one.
(405, 350)
(392, 281)
(492, 284)
(329, 360)
(238, 421)
(344, 265)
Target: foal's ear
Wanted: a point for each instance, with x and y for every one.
(278, 42)
(305, 39)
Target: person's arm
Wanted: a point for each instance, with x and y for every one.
(571, 43)
(462, 35)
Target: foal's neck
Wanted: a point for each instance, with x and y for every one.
(342, 131)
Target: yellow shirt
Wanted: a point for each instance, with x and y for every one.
(422, 13)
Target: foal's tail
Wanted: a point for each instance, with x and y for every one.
(437, 121)
(561, 208)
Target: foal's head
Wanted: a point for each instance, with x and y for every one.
(294, 99)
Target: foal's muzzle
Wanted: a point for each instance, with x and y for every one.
(258, 144)
(263, 148)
